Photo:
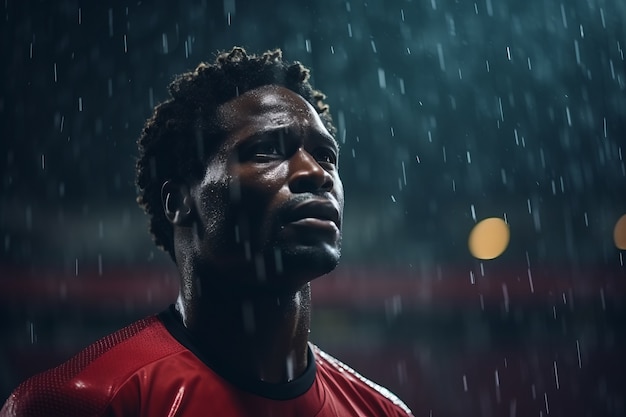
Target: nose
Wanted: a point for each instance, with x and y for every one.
(307, 175)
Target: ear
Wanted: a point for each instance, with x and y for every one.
(176, 201)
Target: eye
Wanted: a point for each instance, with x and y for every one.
(266, 148)
(325, 156)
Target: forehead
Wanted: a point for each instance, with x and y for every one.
(268, 107)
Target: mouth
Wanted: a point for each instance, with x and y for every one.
(320, 214)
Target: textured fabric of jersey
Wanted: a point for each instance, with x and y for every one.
(151, 369)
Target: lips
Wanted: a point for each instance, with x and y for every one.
(317, 210)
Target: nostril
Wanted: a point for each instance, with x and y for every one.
(328, 183)
(309, 183)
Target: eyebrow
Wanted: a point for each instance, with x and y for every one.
(321, 136)
(329, 139)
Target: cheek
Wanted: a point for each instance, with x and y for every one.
(262, 193)
(339, 192)
(258, 187)
(214, 207)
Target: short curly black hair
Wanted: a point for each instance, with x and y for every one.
(183, 131)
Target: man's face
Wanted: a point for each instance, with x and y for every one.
(271, 201)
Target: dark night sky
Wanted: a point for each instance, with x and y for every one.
(441, 106)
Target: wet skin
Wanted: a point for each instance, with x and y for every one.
(255, 230)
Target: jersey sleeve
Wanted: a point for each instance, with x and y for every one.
(46, 396)
(86, 384)
(353, 388)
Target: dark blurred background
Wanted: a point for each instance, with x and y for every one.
(449, 112)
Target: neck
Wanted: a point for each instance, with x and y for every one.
(260, 335)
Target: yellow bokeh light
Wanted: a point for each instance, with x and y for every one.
(619, 233)
(490, 238)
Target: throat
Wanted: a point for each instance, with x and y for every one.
(261, 337)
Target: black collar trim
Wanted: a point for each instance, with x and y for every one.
(286, 391)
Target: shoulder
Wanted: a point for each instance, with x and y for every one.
(86, 383)
(349, 381)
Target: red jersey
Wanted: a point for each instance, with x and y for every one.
(152, 368)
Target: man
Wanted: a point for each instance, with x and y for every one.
(238, 172)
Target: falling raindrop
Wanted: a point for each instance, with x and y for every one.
(442, 63)
(165, 43)
(563, 16)
(111, 23)
(530, 281)
(556, 378)
(382, 82)
(31, 332)
(497, 381)
(489, 7)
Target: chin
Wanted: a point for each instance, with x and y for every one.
(285, 268)
(307, 263)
